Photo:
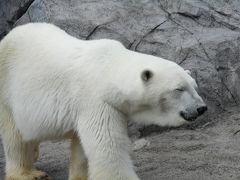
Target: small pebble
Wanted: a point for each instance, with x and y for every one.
(140, 143)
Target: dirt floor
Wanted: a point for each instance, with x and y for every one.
(205, 151)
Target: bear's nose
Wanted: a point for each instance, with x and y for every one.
(201, 110)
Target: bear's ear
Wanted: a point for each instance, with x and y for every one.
(146, 75)
(188, 71)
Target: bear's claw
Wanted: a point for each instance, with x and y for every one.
(33, 175)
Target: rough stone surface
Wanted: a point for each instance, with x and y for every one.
(200, 35)
(10, 12)
(140, 143)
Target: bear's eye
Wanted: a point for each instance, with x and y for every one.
(179, 89)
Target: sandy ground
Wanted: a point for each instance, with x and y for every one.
(207, 151)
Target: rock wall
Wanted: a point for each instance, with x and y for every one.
(200, 35)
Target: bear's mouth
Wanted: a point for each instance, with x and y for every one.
(186, 117)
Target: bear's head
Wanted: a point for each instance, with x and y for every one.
(153, 90)
(169, 96)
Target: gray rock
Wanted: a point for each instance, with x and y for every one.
(140, 143)
(200, 35)
(10, 12)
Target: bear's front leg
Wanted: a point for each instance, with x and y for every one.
(106, 145)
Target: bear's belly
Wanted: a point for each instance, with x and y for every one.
(41, 133)
(42, 115)
(43, 126)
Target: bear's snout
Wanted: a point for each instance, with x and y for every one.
(191, 116)
(187, 116)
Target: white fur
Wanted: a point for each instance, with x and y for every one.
(53, 85)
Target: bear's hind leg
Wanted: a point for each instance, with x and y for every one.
(78, 161)
(19, 156)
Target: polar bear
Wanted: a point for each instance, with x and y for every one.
(54, 86)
